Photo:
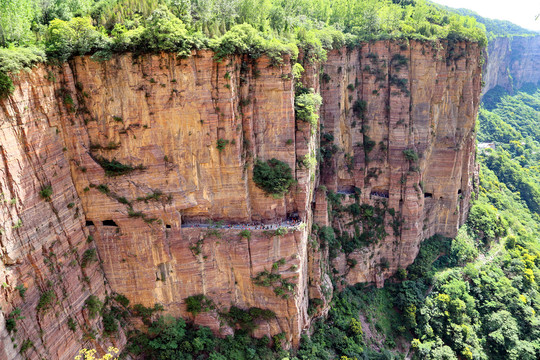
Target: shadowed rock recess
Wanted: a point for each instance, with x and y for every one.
(129, 150)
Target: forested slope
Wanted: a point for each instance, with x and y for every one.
(494, 27)
(475, 297)
(487, 307)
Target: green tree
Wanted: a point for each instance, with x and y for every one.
(273, 176)
(165, 32)
(16, 20)
(503, 333)
(485, 222)
(75, 37)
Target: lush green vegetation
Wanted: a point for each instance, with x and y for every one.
(64, 28)
(170, 338)
(13, 60)
(512, 124)
(473, 297)
(306, 105)
(273, 176)
(198, 303)
(477, 297)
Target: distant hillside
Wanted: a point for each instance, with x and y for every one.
(512, 63)
(494, 27)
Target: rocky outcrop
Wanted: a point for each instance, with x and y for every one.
(141, 152)
(48, 268)
(398, 120)
(512, 62)
(167, 115)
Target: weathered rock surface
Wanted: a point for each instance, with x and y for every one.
(416, 97)
(512, 62)
(43, 239)
(163, 117)
(168, 115)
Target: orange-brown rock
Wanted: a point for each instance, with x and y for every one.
(167, 115)
(183, 135)
(379, 101)
(43, 239)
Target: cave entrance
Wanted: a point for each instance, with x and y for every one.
(380, 193)
(89, 223)
(109, 223)
(428, 195)
(293, 216)
(346, 190)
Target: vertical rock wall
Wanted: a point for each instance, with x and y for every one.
(380, 101)
(180, 137)
(512, 62)
(166, 116)
(43, 238)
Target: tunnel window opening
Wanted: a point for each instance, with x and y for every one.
(167, 226)
(459, 192)
(109, 223)
(380, 193)
(428, 195)
(294, 216)
(89, 223)
(346, 190)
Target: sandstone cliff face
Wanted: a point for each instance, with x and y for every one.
(43, 240)
(512, 62)
(163, 117)
(412, 97)
(168, 114)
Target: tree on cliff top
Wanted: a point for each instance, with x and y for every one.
(252, 27)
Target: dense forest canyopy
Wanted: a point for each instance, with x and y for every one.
(32, 31)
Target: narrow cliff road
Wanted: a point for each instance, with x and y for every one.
(290, 224)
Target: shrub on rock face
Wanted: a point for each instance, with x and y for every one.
(46, 192)
(306, 105)
(198, 303)
(410, 155)
(12, 61)
(273, 176)
(6, 86)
